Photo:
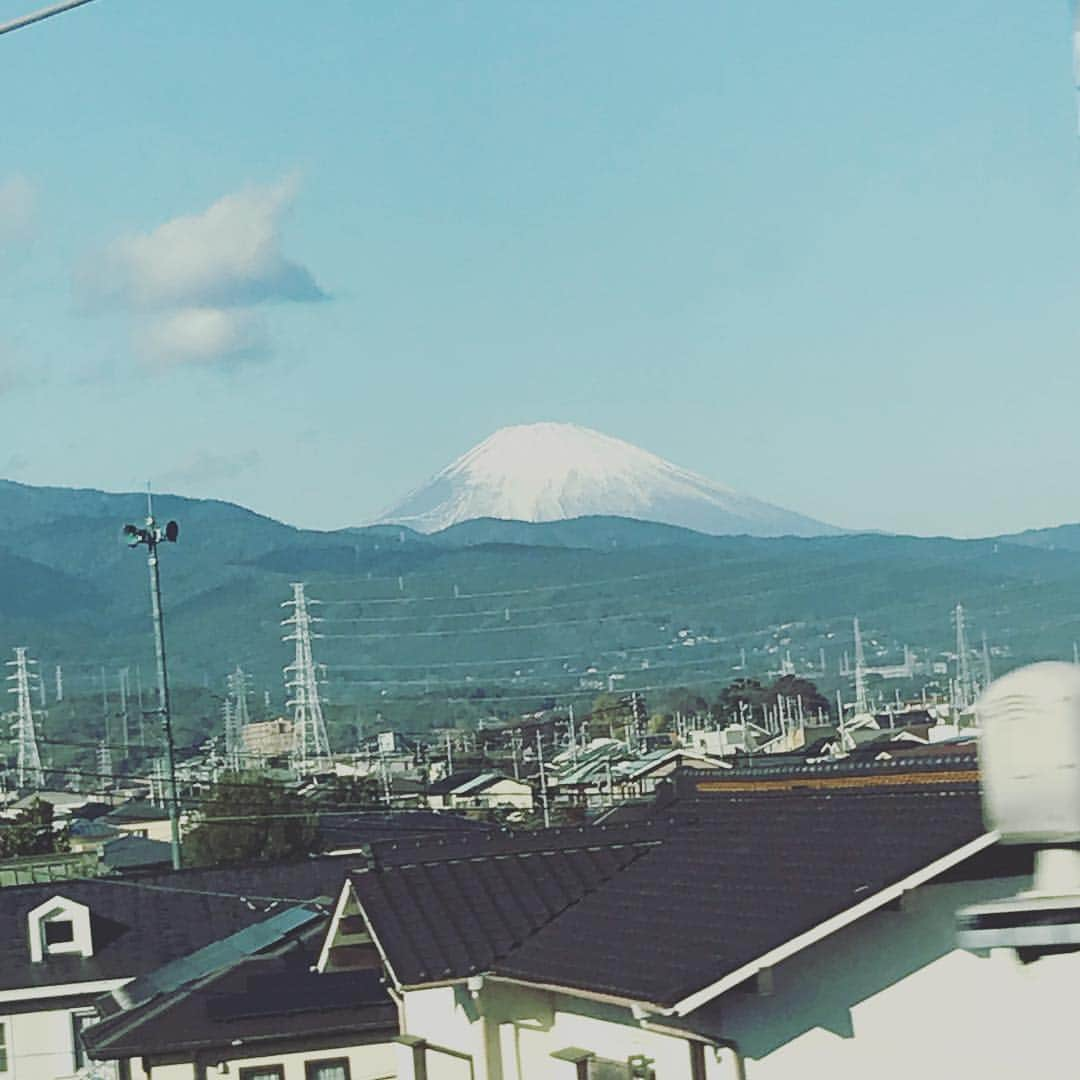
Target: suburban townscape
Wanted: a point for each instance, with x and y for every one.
(711, 712)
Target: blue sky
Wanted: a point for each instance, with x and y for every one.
(821, 253)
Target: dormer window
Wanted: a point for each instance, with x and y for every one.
(58, 932)
(60, 927)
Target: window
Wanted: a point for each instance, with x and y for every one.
(60, 926)
(79, 1021)
(328, 1069)
(263, 1072)
(3, 1046)
(58, 931)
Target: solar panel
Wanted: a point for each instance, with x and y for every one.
(216, 956)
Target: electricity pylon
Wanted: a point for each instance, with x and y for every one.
(29, 771)
(311, 747)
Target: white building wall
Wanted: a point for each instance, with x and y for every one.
(40, 1045)
(892, 998)
(525, 1026)
(889, 997)
(373, 1062)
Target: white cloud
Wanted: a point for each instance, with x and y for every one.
(17, 199)
(203, 335)
(197, 278)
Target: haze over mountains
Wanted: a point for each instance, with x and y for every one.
(553, 472)
(497, 613)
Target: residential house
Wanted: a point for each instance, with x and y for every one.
(64, 943)
(139, 818)
(606, 772)
(767, 927)
(251, 1006)
(479, 790)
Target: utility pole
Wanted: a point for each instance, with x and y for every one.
(515, 749)
(861, 705)
(59, 683)
(104, 765)
(963, 670)
(228, 720)
(105, 703)
(152, 536)
(125, 734)
(29, 771)
(311, 746)
(573, 736)
(543, 778)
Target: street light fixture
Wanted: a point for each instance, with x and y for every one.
(151, 536)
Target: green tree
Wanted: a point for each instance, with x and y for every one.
(32, 833)
(793, 687)
(250, 819)
(741, 692)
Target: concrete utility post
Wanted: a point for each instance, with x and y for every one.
(151, 536)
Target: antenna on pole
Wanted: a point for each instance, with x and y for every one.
(311, 746)
(29, 771)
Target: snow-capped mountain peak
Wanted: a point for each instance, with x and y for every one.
(551, 472)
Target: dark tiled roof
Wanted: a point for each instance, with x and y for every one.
(91, 829)
(340, 830)
(444, 913)
(142, 924)
(135, 852)
(262, 1001)
(137, 811)
(733, 876)
(944, 767)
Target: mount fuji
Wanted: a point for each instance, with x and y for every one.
(553, 472)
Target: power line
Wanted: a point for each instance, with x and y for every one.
(653, 575)
(40, 15)
(487, 682)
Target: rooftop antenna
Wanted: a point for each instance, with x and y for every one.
(29, 771)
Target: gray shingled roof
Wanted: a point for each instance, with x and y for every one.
(654, 916)
(139, 925)
(264, 1001)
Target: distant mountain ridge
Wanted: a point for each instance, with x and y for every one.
(490, 606)
(557, 472)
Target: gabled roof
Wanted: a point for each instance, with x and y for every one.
(137, 810)
(452, 782)
(135, 852)
(338, 829)
(139, 925)
(260, 995)
(731, 877)
(445, 914)
(485, 781)
(91, 829)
